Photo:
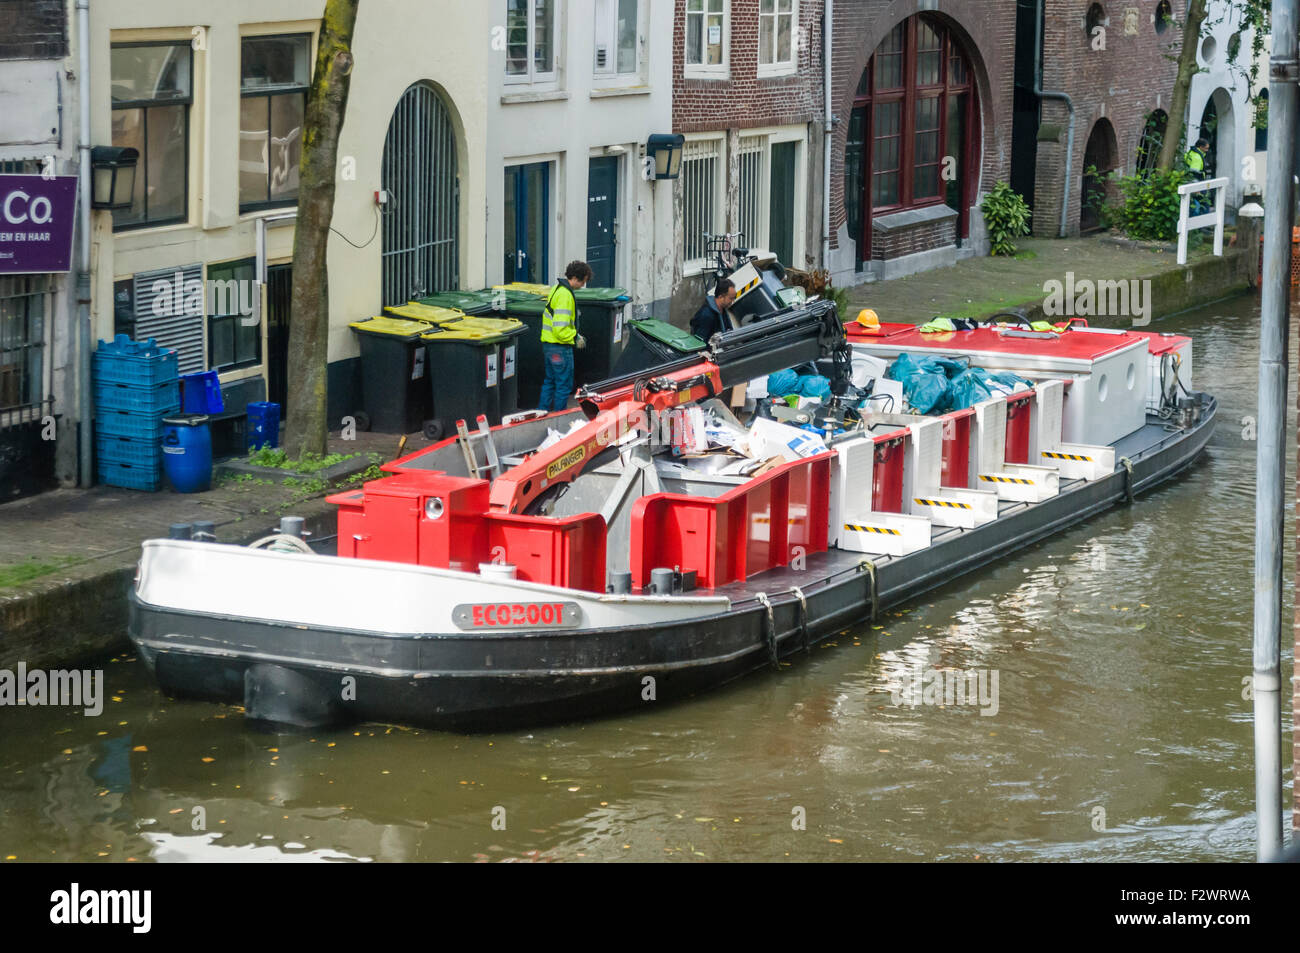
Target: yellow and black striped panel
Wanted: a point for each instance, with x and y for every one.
(741, 292)
(948, 503)
(854, 527)
(990, 478)
(1077, 457)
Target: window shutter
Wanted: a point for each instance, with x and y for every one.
(169, 324)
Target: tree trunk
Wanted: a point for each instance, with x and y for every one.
(307, 426)
(1187, 68)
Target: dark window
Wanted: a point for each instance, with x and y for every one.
(889, 60)
(1096, 18)
(1153, 138)
(1164, 16)
(25, 301)
(1261, 121)
(152, 94)
(234, 315)
(274, 75)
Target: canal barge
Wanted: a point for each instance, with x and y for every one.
(591, 561)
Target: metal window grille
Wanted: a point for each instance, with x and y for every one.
(421, 226)
(752, 190)
(169, 306)
(25, 303)
(700, 163)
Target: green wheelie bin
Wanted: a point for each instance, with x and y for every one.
(652, 342)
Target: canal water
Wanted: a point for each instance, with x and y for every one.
(1120, 731)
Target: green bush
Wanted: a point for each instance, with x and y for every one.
(1149, 204)
(1007, 218)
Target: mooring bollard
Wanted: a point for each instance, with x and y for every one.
(291, 526)
(661, 581)
(620, 582)
(205, 531)
(180, 531)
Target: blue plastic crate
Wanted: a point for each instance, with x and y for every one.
(161, 398)
(130, 476)
(124, 361)
(124, 423)
(141, 451)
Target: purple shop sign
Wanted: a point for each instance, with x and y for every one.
(37, 216)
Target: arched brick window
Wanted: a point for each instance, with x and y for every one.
(913, 134)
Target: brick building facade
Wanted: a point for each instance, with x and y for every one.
(1114, 87)
(33, 30)
(911, 236)
(754, 129)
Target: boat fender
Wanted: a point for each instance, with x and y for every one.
(1127, 464)
(803, 618)
(873, 594)
(770, 632)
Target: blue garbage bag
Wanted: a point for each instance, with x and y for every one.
(925, 385)
(814, 385)
(904, 366)
(967, 389)
(1013, 383)
(781, 383)
(949, 367)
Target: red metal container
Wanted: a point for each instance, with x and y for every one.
(887, 473)
(1019, 415)
(956, 448)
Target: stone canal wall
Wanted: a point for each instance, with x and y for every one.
(63, 619)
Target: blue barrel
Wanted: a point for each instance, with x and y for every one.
(187, 453)
(263, 424)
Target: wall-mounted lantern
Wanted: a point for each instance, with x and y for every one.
(666, 149)
(112, 176)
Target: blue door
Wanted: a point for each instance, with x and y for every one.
(527, 223)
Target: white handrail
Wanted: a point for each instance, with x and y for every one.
(1189, 223)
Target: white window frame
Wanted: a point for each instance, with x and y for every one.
(610, 76)
(707, 70)
(700, 142)
(760, 146)
(779, 67)
(532, 77)
(768, 137)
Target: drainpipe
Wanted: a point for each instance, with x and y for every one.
(85, 475)
(1069, 104)
(827, 133)
(1270, 478)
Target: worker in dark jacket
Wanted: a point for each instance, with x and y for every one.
(710, 320)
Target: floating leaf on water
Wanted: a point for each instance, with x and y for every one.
(834, 840)
(140, 748)
(207, 760)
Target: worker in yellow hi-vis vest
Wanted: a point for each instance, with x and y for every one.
(560, 336)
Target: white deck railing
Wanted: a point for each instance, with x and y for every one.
(1189, 223)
